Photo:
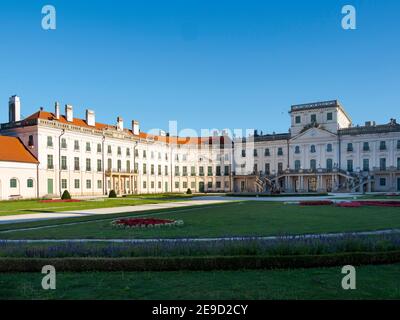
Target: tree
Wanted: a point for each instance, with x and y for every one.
(112, 194)
(188, 191)
(65, 195)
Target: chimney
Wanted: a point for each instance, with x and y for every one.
(120, 124)
(69, 113)
(90, 119)
(14, 109)
(135, 127)
(57, 110)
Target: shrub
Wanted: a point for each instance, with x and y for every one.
(188, 191)
(112, 194)
(66, 195)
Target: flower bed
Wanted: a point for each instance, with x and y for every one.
(357, 204)
(59, 200)
(316, 203)
(145, 223)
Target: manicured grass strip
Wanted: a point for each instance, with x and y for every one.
(373, 282)
(236, 219)
(198, 263)
(98, 218)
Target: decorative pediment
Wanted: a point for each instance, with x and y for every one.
(313, 134)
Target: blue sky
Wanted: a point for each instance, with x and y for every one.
(206, 64)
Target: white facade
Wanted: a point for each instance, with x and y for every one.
(321, 152)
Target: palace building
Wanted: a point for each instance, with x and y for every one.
(49, 152)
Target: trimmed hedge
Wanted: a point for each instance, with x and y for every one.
(198, 263)
(112, 194)
(254, 194)
(66, 195)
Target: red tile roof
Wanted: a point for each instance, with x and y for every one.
(12, 149)
(101, 126)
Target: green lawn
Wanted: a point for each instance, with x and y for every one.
(373, 282)
(233, 219)
(35, 206)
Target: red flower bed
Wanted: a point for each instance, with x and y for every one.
(316, 203)
(357, 204)
(351, 204)
(145, 222)
(59, 200)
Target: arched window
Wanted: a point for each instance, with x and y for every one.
(329, 164)
(13, 183)
(313, 164)
(29, 183)
(312, 149)
(297, 165)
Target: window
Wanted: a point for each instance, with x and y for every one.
(365, 146)
(99, 184)
(218, 170)
(76, 163)
(266, 152)
(192, 171)
(99, 166)
(329, 164)
(226, 171)
(119, 165)
(398, 163)
(184, 171)
(382, 145)
(88, 148)
(77, 183)
(382, 164)
(144, 184)
(119, 151)
(128, 166)
(298, 119)
(109, 164)
(398, 144)
(193, 185)
(176, 171)
(99, 148)
(88, 184)
(312, 149)
(128, 152)
(313, 164)
(350, 165)
(152, 184)
(280, 152)
(382, 182)
(159, 170)
(152, 169)
(63, 143)
(209, 171)
(255, 153)
(201, 171)
(176, 184)
(267, 168)
(88, 165)
(185, 184)
(297, 165)
(297, 150)
(109, 151)
(280, 167)
(144, 168)
(243, 153)
(329, 116)
(365, 164)
(218, 184)
(63, 163)
(144, 154)
(136, 153)
(349, 147)
(50, 164)
(159, 184)
(152, 155)
(64, 184)
(49, 141)
(209, 185)
(313, 118)
(13, 183)
(29, 183)
(30, 141)
(166, 170)
(329, 147)
(76, 145)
